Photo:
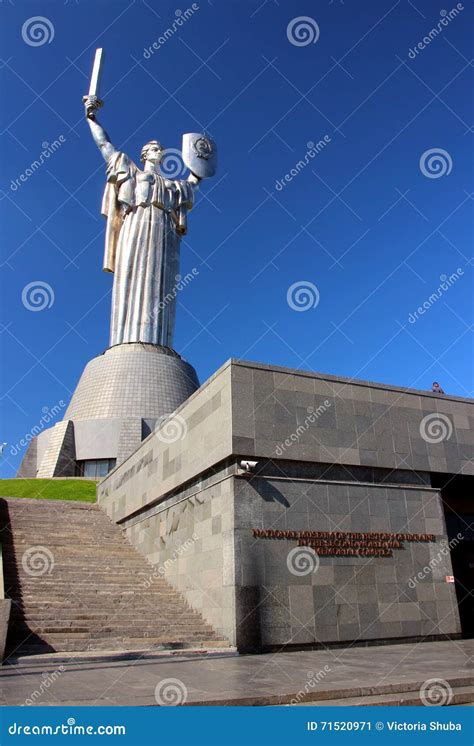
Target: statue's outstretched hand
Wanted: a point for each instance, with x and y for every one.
(91, 105)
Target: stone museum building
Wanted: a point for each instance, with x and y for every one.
(290, 507)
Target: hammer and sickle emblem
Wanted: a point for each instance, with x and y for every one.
(202, 147)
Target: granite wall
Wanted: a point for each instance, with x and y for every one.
(293, 600)
(189, 539)
(282, 413)
(194, 439)
(332, 455)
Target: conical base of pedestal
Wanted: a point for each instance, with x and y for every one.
(120, 398)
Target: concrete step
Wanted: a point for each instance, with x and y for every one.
(101, 594)
(391, 692)
(75, 593)
(461, 695)
(122, 646)
(56, 571)
(144, 619)
(170, 631)
(41, 625)
(181, 651)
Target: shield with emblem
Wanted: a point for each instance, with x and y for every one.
(200, 154)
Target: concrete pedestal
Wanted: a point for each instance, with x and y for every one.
(121, 396)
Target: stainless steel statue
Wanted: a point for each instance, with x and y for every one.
(146, 217)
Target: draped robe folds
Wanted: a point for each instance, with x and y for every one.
(142, 244)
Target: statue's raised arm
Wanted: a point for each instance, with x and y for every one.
(101, 138)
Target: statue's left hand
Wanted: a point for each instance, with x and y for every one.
(193, 179)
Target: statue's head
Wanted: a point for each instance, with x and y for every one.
(152, 151)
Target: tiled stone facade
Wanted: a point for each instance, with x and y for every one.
(355, 422)
(60, 453)
(121, 393)
(332, 455)
(196, 438)
(346, 598)
(190, 541)
(132, 380)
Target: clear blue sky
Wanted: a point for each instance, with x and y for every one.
(361, 221)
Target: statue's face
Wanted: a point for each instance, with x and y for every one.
(154, 154)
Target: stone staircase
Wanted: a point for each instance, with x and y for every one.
(76, 584)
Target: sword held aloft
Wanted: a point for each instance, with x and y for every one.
(92, 100)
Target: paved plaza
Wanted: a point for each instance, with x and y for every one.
(336, 676)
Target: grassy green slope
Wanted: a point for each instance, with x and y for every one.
(81, 490)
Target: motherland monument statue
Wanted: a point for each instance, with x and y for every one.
(146, 217)
(130, 389)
